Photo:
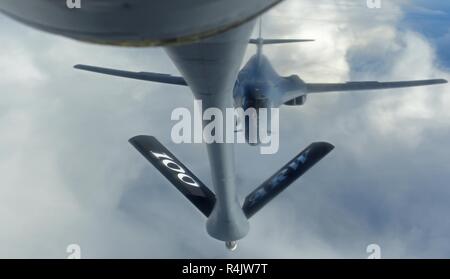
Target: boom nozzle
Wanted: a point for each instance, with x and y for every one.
(231, 245)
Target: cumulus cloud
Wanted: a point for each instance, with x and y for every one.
(68, 174)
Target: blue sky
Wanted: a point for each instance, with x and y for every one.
(433, 23)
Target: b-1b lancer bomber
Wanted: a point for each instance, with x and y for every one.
(257, 86)
(206, 40)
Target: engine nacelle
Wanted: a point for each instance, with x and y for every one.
(299, 101)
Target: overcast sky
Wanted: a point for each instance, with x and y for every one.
(68, 175)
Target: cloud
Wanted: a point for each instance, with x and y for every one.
(69, 175)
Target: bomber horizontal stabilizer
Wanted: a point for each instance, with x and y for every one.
(285, 177)
(277, 41)
(154, 77)
(180, 176)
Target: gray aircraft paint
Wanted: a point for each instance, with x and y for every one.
(136, 22)
(210, 67)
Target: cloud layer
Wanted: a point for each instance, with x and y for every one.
(68, 174)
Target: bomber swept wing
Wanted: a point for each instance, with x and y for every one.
(155, 77)
(296, 89)
(368, 85)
